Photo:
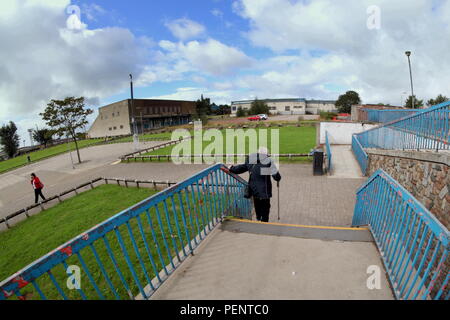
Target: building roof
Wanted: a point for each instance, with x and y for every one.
(165, 100)
(284, 100)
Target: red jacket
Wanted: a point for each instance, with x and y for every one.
(36, 183)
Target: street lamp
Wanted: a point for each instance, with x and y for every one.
(408, 54)
(30, 131)
(133, 120)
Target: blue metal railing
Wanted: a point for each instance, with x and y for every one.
(131, 254)
(328, 148)
(389, 115)
(414, 245)
(428, 129)
(361, 156)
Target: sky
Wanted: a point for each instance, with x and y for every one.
(224, 49)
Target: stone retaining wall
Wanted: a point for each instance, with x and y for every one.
(424, 174)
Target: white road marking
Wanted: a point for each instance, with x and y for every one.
(116, 162)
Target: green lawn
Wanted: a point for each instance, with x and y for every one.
(291, 140)
(36, 236)
(44, 153)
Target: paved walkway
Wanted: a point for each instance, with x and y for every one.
(304, 198)
(239, 265)
(344, 163)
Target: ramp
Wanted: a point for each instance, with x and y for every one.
(344, 163)
(232, 264)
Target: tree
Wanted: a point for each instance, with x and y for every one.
(223, 109)
(439, 99)
(66, 116)
(240, 112)
(9, 139)
(346, 101)
(259, 107)
(43, 136)
(203, 106)
(417, 103)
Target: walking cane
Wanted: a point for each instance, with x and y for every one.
(278, 189)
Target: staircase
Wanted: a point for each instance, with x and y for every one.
(251, 260)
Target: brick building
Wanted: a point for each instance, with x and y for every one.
(117, 118)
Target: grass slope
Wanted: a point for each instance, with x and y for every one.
(44, 153)
(165, 227)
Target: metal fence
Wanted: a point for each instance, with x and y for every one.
(425, 130)
(361, 156)
(131, 254)
(329, 155)
(413, 244)
(389, 115)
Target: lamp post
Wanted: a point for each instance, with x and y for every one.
(30, 132)
(408, 54)
(133, 120)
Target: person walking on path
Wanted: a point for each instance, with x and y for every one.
(37, 186)
(260, 168)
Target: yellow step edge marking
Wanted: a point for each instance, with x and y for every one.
(299, 225)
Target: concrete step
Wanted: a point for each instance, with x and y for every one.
(298, 231)
(234, 265)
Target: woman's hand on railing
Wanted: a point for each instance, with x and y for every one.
(225, 169)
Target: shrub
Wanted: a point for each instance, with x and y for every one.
(327, 115)
(240, 112)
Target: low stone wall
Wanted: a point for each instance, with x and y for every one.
(424, 174)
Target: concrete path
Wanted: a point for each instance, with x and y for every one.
(344, 164)
(304, 198)
(236, 265)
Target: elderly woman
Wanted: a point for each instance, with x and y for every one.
(260, 168)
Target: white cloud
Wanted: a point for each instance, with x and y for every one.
(194, 93)
(211, 56)
(41, 59)
(351, 55)
(185, 29)
(217, 13)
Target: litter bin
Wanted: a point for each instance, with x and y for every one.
(317, 162)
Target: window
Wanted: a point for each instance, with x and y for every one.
(121, 126)
(287, 108)
(272, 108)
(115, 128)
(113, 114)
(110, 128)
(234, 108)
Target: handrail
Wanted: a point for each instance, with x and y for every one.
(422, 111)
(133, 252)
(388, 115)
(328, 148)
(413, 244)
(361, 156)
(443, 105)
(427, 129)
